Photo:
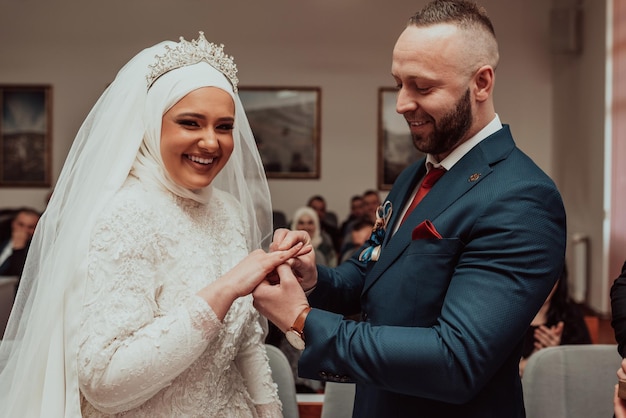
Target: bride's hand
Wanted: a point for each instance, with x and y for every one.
(244, 277)
(253, 269)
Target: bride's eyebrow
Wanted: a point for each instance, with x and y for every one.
(191, 115)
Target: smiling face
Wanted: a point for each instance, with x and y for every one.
(442, 87)
(306, 223)
(197, 137)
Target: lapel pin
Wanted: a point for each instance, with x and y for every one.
(474, 177)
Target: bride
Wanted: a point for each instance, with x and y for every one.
(135, 299)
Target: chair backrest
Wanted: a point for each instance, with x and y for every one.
(283, 376)
(338, 400)
(573, 381)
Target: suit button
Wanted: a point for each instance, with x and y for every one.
(364, 316)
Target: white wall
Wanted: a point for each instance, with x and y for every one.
(578, 117)
(344, 47)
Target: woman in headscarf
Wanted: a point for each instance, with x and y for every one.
(306, 219)
(135, 296)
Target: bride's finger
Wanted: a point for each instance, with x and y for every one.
(305, 250)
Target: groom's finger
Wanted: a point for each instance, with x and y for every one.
(285, 273)
(279, 236)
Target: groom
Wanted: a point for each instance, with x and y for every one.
(446, 294)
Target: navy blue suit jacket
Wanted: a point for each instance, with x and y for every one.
(443, 319)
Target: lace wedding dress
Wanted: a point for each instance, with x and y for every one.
(149, 347)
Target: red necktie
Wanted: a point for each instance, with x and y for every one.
(429, 180)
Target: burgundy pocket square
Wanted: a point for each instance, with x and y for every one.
(425, 230)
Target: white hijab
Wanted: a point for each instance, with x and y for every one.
(121, 133)
(316, 238)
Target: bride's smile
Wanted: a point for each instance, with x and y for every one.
(196, 137)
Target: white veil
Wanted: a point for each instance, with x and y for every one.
(38, 353)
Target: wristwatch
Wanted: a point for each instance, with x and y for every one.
(295, 335)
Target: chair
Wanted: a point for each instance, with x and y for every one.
(573, 381)
(338, 400)
(283, 376)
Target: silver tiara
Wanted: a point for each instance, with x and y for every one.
(193, 52)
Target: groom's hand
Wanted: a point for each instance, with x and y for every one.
(303, 264)
(280, 303)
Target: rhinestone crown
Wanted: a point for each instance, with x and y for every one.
(193, 52)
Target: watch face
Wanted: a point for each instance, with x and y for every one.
(295, 339)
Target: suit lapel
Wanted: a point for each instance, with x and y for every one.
(400, 195)
(464, 175)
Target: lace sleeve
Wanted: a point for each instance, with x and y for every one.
(253, 364)
(271, 410)
(129, 349)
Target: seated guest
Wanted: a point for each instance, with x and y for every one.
(618, 310)
(14, 242)
(361, 231)
(558, 322)
(371, 200)
(306, 219)
(328, 221)
(357, 210)
(318, 204)
(618, 322)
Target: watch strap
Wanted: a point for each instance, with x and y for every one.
(298, 324)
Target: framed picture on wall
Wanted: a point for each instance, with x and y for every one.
(395, 146)
(286, 126)
(25, 135)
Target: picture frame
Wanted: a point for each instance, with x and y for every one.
(286, 124)
(25, 135)
(395, 145)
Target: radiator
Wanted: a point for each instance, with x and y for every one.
(579, 272)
